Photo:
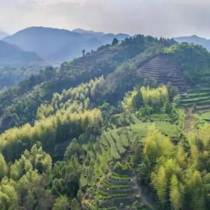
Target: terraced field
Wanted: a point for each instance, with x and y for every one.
(115, 188)
(116, 191)
(198, 99)
(164, 69)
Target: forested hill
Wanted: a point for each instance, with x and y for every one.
(28, 95)
(124, 127)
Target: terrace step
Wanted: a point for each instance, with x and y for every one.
(165, 69)
(202, 109)
(118, 202)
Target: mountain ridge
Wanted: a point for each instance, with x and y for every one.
(195, 40)
(51, 43)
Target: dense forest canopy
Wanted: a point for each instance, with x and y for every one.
(97, 133)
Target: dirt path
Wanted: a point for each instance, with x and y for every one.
(188, 120)
(144, 200)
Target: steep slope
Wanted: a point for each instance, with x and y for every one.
(57, 45)
(194, 61)
(195, 40)
(12, 56)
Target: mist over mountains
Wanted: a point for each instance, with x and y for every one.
(13, 56)
(51, 46)
(58, 45)
(195, 40)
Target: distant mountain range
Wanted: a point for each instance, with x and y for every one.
(195, 40)
(2, 35)
(57, 45)
(13, 56)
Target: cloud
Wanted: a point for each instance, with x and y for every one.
(155, 17)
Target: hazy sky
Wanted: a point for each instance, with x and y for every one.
(154, 17)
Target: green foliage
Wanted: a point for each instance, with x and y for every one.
(73, 100)
(148, 101)
(194, 60)
(75, 204)
(3, 167)
(62, 203)
(156, 145)
(19, 104)
(36, 159)
(82, 146)
(177, 172)
(49, 131)
(8, 197)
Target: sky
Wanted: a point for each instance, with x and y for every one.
(167, 18)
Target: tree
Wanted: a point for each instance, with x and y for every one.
(3, 167)
(73, 150)
(75, 204)
(159, 182)
(83, 53)
(8, 197)
(62, 203)
(195, 189)
(175, 194)
(137, 101)
(156, 145)
(115, 41)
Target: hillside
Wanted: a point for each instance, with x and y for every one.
(12, 56)
(56, 45)
(124, 127)
(41, 87)
(11, 76)
(194, 40)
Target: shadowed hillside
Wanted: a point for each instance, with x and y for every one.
(13, 56)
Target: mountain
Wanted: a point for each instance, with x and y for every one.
(125, 127)
(102, 37)
(3, 35)
(56, 45)
(102, 62)
(88, 32)
(195, 40)
(13, 56)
